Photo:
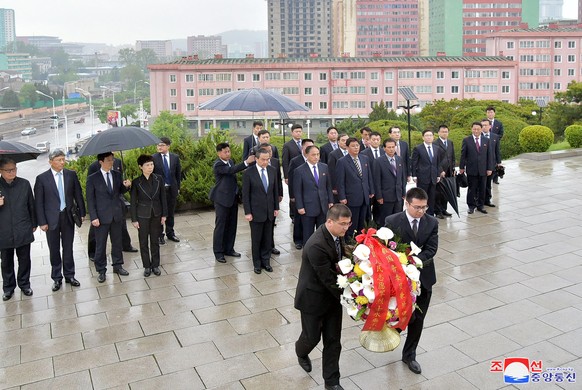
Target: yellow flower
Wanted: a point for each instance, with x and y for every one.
(388, 315)
(358, 270)
(361, 300)
(413, 285)
(402, 257)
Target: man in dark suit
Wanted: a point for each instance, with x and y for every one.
(312, 191)
(224, 195)
(340, 152)
(168, 166)
(447, 150)
(477, 160)
(374, 152)
(317, 295)
(295, 163)
(401, 149)
(291, 149)
(355, 185)
(330, 145)
(125, 238)
(261, 206)
(252, 140)
(265, 138)
(495, 147)
(496, 128)
(57, 192)
(414, 225)
(365, 141)
(426, 167)
(390, 181)
(274, 162)
(106, 213)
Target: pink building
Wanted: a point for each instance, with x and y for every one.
(548, 58)
(332, 88)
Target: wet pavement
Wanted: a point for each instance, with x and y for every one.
(509, 285)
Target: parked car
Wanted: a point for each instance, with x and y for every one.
(28, 131)
(60, 125)
(44, 147)
(79, 120)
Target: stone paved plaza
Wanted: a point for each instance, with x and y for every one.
(509, 285)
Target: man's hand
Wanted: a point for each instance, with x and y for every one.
(380, 201)
(163, 220)
(329, 205)
(287, 181)
(249, 217)
(95, 222)
(301, 211)
(344, 201)
(250, 159)
(135, 225)
(280, 199)
(489, 173)
(276, 212)
(127, 183)
(44, 228)
(461, 171)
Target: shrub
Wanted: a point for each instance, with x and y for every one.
(510, 146)
(456, 136)
(536, 138)
(574, 135)
(383, 127)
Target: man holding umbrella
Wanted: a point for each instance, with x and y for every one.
(168, 166)
(448, 151)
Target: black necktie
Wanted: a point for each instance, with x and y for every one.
(415, 227)
(109, 186)
(338, 248)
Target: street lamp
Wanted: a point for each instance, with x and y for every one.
(541, 104)
(65, 115)
(408, 95)
(4, 89)
(308, 122)
(91, 112)
(112, 92)
(54, 117)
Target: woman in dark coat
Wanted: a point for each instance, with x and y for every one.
(17, 227)
(148, 213)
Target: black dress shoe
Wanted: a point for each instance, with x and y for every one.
(147, 272)
(333, 387)
(275, 251)
(496, 181)
(305, 363)
(173, 238)
(130, 249)
(470, 211)
(162, 241)
(482, 210)
(27, 291)
(73, 282)
(268, 268)
(120, 271)
(92, 258)
(233, 254)
(101, 278)
(298, 246)
(7, 295)
(221, 259)
(413, 366)
(257, 271)
(489, 204)
(447, 214)
(57, 285)
(440, 216)
(156, 271)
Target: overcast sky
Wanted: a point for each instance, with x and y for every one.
(125, 21)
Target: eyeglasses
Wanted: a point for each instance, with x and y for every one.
(13, 170)
(344, 224)
(419, 208)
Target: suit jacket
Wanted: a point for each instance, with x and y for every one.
(47, 200)
(317, 290)
(248, 144)
(449, 155)
(495, 142)
(295, 163)
(148, 199)
(389, 187)
(275, 163)
(331, 164)
(290, 150)
(102, 204)
(497, 128)
(476, 163)
(312, 197)
(426, 170)
(427, 239)
(405, 156)
(325, 151)
(95, 166)
(175, 171)
(256, 201)
(368, 152)
(350, 185)
(225, 188)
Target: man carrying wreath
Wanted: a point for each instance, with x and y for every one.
(414, 225)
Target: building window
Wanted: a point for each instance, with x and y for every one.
(172, 78)
(291, 91)
(373, 75)
(374, 90)
(388, 104)
(339, 75)
(455, 74)
(205, 77)
(173, 92)
(323, 90)
(223, 77)
(357, 90)
(173, 107)
(388, 75)
(425, 74)
(557, 72)
(557, 86)
(440, 75)
(256, 77)
(388, 90)
(505, 74)
(290, 75)
(505, 89)
(190, 92)
(190, 107)
(472, 74)
(323, 77)
(272, 76)
(557, 58)
(357, 75)
(189, 78)
(571, 58)
(307, 76)
(526, 44)
(557, 44)
(423, 89)
(339, 104)
(222, 91)
(206, 92)
(405, 74)
(323, 105)
(308, 91)
(571, 44)
(440, 89)
(490, 74)
(571, 72)
(490, 89)
(240, 77)
(358, 104)
(471, 88)
(455, 89)
(510, 45)
(309, 105)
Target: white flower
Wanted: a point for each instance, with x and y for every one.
(347, 303)
(415, 250)
(347, 293)
(345, 265)
(412, 272)
(392, 303)
(369, 293)
(367, 280)
(353, 310)
(366, 266)
(356, 287)
(418, 262)
(342, 281)
(362, 252)
(384, 234)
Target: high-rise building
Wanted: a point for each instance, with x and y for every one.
(206, 46)
(7, 29)
(300, 28)
(550, 10)
(457, 26)
(163, 49)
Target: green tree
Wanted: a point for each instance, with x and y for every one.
(128, 110)
(10, 99)
(170, 125)
(351, 126)
(28, 93)
(565, 110)
(127, 56)
(379, 112)
(102, 112)
(146, 57)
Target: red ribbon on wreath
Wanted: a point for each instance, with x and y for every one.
(389, 281)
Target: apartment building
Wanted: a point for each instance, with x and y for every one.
(7, 28)
(162, 48)
(206, 46)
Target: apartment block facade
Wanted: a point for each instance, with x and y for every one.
(7, 28)
(206, 46)
(162, 48)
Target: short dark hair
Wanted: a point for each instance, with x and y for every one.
(426, 131)
(264, 131)
(166, 140)
(338, 211)
(296, 126)
(443, 127)
(310, 147)
(264, 145)
(342, 135)
(476, 124)
(103, 156)
(257, 123)
(352, 140)
(306, 140)
(5, 160)
(388, 140)
(144, 158)
(261, 151)
(392, 128)
(416, 193)
(330, 128)
(375, 133)
(365, 128)
(490, 108)
(486, 120)
(221, 146)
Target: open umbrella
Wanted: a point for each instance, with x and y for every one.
(448, 186)
(18, 151)
(118, 139)
(253, 100)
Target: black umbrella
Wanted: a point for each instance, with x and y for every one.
(18, 151)
(118, 139)
(253, 100)
(448, 187)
